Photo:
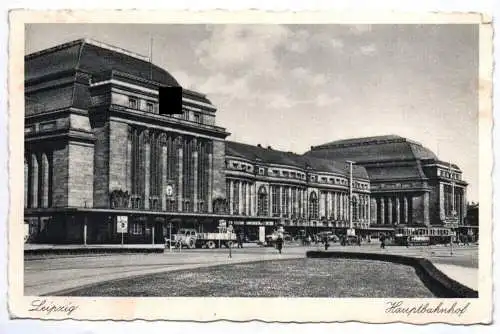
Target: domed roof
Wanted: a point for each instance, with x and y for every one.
(94, 58)
(269, 155)
(373, 149)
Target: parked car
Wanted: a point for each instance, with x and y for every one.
(330, 235)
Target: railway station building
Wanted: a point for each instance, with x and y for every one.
(97, 148)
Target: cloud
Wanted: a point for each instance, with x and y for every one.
(185, 80)
(307, 77)
(248, 47)
(276, 100)
(279, 101)
(227, 87)
(368, 50)
(326, 100)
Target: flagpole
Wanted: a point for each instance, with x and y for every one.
(151, 57)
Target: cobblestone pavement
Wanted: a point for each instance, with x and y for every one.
(49, 274)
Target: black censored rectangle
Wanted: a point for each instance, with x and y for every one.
(170, 100)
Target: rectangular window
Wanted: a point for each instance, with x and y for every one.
(150, 106)
(196, 118)
(137, 229)
(132, 103)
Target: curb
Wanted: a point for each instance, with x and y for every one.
(440, 284)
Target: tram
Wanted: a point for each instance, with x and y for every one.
(413, 236)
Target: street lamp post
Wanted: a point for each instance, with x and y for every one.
(453, 211)
(230, 241)
(170, 236)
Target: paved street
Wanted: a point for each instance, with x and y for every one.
(49, 274)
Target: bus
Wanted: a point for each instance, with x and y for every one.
(413, 236)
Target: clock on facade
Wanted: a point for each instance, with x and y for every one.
(169, 190)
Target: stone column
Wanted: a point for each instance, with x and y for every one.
(398, 210)
(45, 181)
(426, 208)
(34, 181)
(290, 201)
(248, 188)
(128, 161)
(195, 174)
(280, 200)
(210, 180)
(334, 209)
(26, 182)
(321, 202)
(441, 201)
(373, 212)
(382, 210)
(252, 199)
(240, 198)
(342, 206)
(347, 204)
(164, 152)
(405, 209)
(180, 178)
(231, 196)
(270, 194)
(147, 168)
(304, 204)
(362, 208)
(328, 210)
(464, 203)
(368, 210)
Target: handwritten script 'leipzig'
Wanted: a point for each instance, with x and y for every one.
(400, 308)
(41, 305)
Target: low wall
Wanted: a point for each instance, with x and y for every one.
(103, 249)
(438, 283)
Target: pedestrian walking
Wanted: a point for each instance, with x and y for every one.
(239, 239)
(325, 241)
(382, 241)
(279, 244)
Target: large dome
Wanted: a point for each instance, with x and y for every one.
(373, 149)
(94, 58)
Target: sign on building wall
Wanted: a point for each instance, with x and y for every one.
(121, 224)
(351, 232)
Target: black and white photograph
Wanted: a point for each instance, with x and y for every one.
(268, 161)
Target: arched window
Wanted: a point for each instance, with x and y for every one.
(236, 198)
(262, 202)
(313, 206)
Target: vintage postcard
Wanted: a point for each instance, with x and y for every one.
(291, 167)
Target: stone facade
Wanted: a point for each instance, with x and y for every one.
(97, 148)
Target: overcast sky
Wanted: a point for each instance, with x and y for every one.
(293, 86)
